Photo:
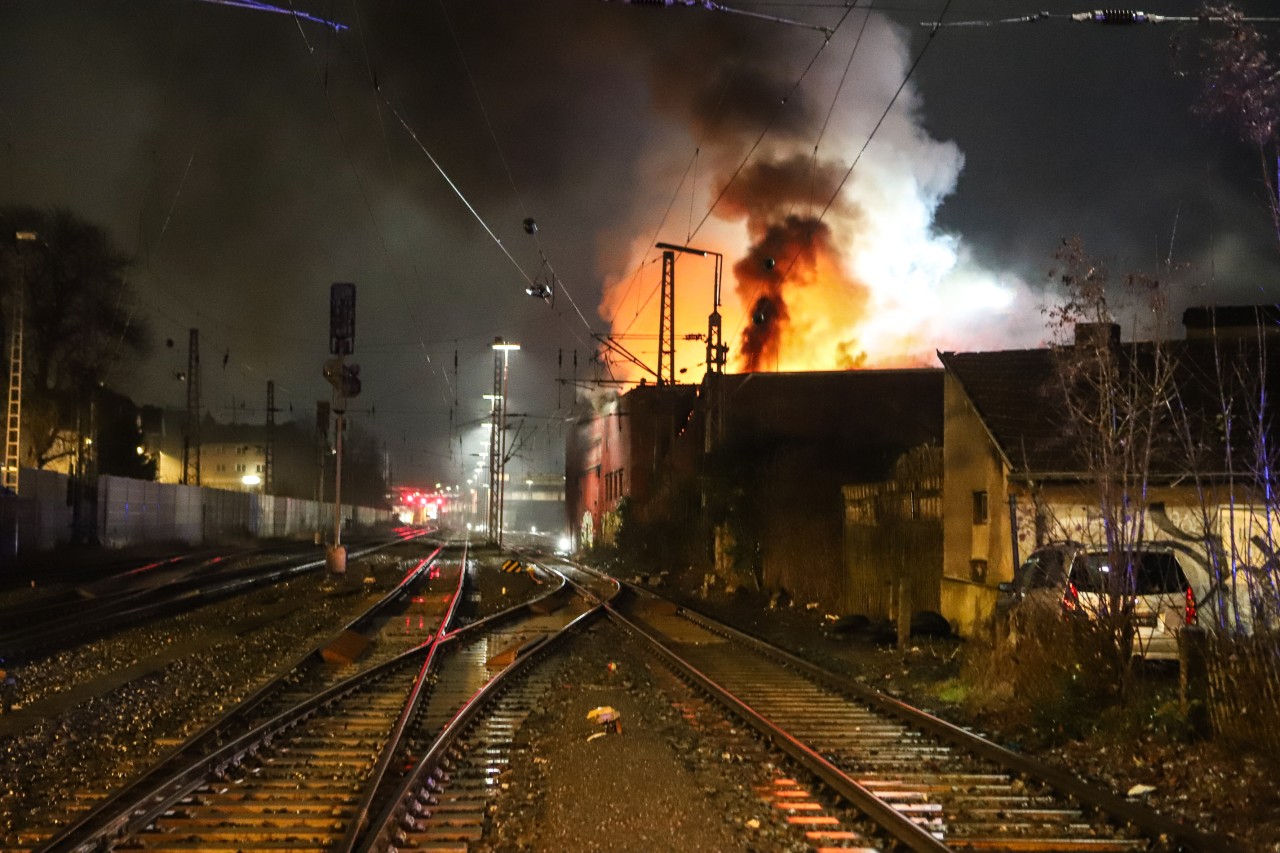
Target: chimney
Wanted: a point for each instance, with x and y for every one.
(1231, 322)
(1098, 336)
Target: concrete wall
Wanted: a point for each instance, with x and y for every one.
(133, 511)
(977, 555)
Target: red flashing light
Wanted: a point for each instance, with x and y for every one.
(1071, 598)
(1189, 614)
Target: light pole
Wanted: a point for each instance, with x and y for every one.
(502, 350)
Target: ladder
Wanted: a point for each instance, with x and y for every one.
(13, 418)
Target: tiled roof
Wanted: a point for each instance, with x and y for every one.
(1019, 396)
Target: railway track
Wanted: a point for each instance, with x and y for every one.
(406, 754)
(309, 776)
(401, 619)
(933, 786)
(36, 628)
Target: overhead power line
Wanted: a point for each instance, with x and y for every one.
(1111, 17)
(267, 7)
(717, 7)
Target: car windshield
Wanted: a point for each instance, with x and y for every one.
(1154, 572)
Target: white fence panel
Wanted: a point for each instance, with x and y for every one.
(132, 512)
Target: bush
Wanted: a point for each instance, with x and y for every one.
(1050, 681)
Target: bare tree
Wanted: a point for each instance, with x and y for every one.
(79, 317)
(1115, 409)
(1240, 88)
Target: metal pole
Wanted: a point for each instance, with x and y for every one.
(495, 449)
(502, 440)
(1013, 531)
(337, 476)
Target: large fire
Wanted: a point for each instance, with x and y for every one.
(832, 267)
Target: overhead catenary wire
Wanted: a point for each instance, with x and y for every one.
(279, 10)
(368, 205)
(506, 166)
(835, 97)
(773, 117)
(1110, 17)
(906, 78)
(719, 7)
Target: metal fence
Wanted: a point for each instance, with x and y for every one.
(121, 511)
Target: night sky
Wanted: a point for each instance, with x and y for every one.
(246, 160)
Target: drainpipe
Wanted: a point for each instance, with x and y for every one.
(1013, 530)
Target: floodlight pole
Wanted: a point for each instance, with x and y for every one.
(502, 350)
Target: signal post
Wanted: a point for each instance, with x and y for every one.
(345, 379)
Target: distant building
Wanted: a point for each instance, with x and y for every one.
(534, 503)
(1017, 473)
(757, 461)
(234, 456)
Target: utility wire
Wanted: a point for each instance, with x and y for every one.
(718, 7)
(267, 7)
(879, 122)
(1111, 17)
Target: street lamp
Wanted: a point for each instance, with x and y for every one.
(502, 350)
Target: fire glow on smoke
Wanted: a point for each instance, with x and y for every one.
(827, 269)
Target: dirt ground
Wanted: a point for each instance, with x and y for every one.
(673, 779)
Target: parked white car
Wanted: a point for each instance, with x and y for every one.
(1162, 582)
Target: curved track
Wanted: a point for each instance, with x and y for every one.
(160, 588)
(308, 777)
(934, 786)
(403, 754)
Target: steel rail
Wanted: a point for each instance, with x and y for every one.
(378, 834)
(1150, 822)
(903, 829)
(104, 819)
(406, 714)
(131, 816)
(156, 601)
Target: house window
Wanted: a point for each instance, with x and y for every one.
(980, 510)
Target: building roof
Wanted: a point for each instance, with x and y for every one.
(1021, 398)
(856, 422)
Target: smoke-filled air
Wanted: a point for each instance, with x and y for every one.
(829, 264)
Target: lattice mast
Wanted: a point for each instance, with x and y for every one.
(667, 322)
(492, 519)
(269, 453)
(13, 416)
(191, 435)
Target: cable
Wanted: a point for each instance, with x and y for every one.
(879, 122)
(267, 7)
(1110, 17)
(718, 7)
